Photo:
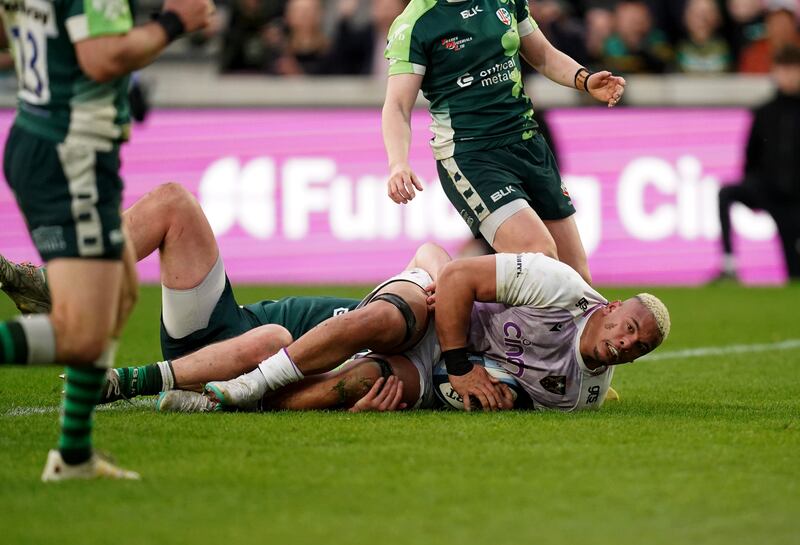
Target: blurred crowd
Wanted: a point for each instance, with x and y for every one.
(347, 37)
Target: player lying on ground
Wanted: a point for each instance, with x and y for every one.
(533, 314)
(184, 216)
(547, 326)
(199, 308)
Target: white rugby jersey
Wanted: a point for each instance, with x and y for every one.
(534, 329)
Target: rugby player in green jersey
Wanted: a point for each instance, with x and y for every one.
(494, 166)
(61, 161)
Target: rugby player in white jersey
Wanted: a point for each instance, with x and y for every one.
(544, 324)
(535, 315)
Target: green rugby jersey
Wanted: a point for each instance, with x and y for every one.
(56, 100)
(468, 54)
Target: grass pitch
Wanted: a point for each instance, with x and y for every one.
(701, 449)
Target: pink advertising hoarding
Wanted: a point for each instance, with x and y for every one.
(298, 196)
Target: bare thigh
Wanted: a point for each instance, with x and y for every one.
(230, 358)
(569, 244)
(170, 219)
(525, 232)
(416, 299)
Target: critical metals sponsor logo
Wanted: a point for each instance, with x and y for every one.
(455, 43)
(465, 81)
(504, 16)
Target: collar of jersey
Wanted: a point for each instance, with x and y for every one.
(581, 323)
(453, 1)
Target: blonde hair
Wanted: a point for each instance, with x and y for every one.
(659, 311)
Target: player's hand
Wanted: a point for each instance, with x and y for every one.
(430, 300)
(606, 87)
(479, 384)
(382, 398)
(506, 397)
(401, 184)
(194, 14)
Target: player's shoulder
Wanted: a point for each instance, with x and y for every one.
(410, 18)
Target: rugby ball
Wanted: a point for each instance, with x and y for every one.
(448, 398)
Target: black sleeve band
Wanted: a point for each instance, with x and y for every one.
(171, 23)
(457, 361)
(581, 79)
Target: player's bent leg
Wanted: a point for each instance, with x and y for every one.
(324, 347)
(229, 359)
(569, 245)
(168, 218)
(523, 231)
(395, 318)
(171, 220)
(216, 362)
(343, 387)
(338, 389)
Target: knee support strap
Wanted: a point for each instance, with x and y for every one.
(405, 310)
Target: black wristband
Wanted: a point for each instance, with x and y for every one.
(457, 361)
(585, 79)
(171, 23)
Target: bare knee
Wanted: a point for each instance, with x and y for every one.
(175, 200)
(77, 345)
(260, 343)
(382, 322)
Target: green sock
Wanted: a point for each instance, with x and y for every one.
(13, 343)
(143, 380)
(81, 394)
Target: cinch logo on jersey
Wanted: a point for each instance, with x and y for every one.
(504, 16)
(456, 43)
(42, 16)
(467, 13)
(515, 346)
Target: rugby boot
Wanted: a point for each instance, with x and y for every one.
(26, 285)
(184, 401)
(96, 467)
(243, 392)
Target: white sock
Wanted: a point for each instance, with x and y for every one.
(729, 263)
(41, 338)
(167, 377)
(109, 355)
(278, 370)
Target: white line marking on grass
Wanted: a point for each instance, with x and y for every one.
(703, 351)
(53, 409)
